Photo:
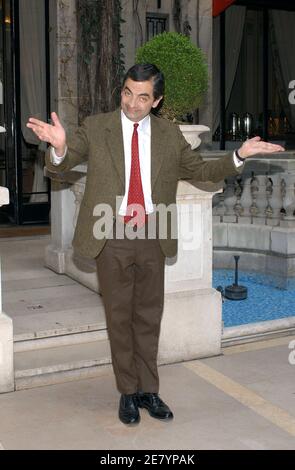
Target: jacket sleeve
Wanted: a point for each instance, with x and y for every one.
(197, 171)
(77, 150)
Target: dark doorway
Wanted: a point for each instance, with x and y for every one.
(22, 157)
(256, 70)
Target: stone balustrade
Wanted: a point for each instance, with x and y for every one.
(264, 194)
(255, 217)
(6, 330)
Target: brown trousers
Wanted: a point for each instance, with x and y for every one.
(131, 278)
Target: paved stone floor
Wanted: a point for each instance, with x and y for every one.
(243, 399)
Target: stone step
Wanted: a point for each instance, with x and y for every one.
(75, 346)
(62, 363)
(42, 328)
(54, 339)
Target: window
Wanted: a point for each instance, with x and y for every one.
(156, 23)
(256, 68)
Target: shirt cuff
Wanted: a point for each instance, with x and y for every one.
(237, 162)
(55, 159)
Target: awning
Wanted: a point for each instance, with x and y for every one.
(220, 5)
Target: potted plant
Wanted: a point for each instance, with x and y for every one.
(186, 77)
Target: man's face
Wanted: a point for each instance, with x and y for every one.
(137, 99)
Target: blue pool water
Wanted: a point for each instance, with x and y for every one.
(264, 302)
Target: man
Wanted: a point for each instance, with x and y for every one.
(133, 154)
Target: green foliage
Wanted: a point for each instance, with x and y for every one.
(185, 70)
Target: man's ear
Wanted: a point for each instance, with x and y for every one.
(156, 102)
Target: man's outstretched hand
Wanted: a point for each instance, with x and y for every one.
(53, 133)
(255, 145)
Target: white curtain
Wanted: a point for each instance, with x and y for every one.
(234, 27)
(33, 81)
(282, 34)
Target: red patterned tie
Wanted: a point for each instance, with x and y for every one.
(135, 193)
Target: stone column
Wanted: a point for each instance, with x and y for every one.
(6, 331)
(192, 318)
(62, 229)
(63, 61)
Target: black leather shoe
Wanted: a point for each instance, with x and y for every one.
(128, 409)
(155, 406)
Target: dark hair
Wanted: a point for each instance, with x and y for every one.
(144, 72)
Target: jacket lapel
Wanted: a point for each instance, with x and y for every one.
(158, 147)
(114, 139)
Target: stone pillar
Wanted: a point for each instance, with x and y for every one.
(63, 61)
(62, 229)
(192, 318)
(6, 331)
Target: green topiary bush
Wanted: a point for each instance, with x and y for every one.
(185, 70)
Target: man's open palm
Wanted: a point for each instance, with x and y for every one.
(53, 133)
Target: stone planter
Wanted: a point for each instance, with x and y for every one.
(191, 133)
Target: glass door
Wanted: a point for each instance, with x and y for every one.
(7, 162)
(24, 74)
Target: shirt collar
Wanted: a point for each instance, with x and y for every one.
(143, 125)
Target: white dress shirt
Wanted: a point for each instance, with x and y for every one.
(144, 145)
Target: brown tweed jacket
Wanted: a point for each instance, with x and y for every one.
(100, 141)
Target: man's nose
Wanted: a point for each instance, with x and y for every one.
(133, 102)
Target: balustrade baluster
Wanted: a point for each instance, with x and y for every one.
(238, 193)
(218, 208)
(261, 200)
(254, 192)
(275, 202)
(230, 199)
(246, 201)
(288, 199)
